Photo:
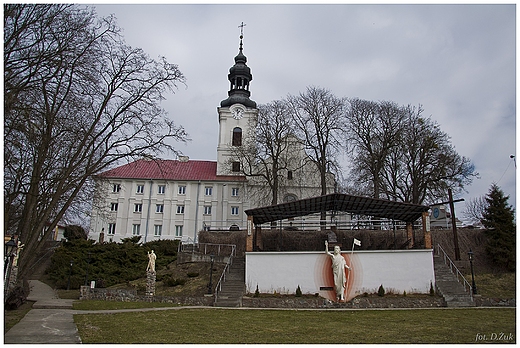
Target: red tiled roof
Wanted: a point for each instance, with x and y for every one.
(169, 170)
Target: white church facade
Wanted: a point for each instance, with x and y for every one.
(175, 199)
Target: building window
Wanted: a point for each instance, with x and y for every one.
(289, 175)
(234, 191)
(159, 208)
(140, 189)
(182, 190)
(136, 229)
(161, 189)
(111, 228)
(180, 209)
(237, 137)
(207, 210)
(235, 167)
(234, 210)
(113, 206)
(138, 207)
(209, 191)
(157, 230)
(178, 230)
(116, 188)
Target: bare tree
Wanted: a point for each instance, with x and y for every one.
(425, 164)
(318, 117)
(373, 130)
(475, 208)
(78, 100)
(264, 155)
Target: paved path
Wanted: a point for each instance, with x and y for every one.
(49, 321)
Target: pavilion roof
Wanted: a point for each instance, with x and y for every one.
(339, 202)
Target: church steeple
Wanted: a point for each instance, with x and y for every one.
(239, 77)
(237, 116)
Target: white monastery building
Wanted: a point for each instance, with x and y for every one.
(175, 199)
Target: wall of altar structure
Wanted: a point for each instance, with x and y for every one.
(397, 270)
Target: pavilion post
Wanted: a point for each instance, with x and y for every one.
(409, 233)
(251, 231)
(426, 230)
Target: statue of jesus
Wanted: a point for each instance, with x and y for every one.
(338, 269)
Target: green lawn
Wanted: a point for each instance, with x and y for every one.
(94, 305)
(240, 326)
(501, 285)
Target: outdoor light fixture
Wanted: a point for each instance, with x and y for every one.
(473, 286)
(86, 274)
(10, 246)
(210, 286)
(70, 273)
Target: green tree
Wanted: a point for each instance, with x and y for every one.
(108, 263)
(498, 219)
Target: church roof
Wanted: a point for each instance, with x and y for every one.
(339, 202)
(160, 169)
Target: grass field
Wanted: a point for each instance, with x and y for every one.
(241, 326)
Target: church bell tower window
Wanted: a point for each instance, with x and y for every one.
(237, 136)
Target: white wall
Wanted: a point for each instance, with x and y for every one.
(397, 270)
(193, 200)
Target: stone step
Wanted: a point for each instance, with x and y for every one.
(448, 287)
(234, 287)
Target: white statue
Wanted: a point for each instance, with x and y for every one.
(338, 268)
(17, 254)
(151, 262)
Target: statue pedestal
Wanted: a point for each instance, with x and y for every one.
(150, 285)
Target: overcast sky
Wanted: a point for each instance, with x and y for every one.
(457, 61)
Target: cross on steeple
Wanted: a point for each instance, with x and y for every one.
(241, 26)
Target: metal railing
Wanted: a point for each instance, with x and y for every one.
(455, 270)
(218, 287)
(208, 248)
(353, 224)
(212, 249)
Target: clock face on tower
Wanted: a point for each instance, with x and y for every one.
(238, 113)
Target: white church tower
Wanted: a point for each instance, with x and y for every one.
(237, 115)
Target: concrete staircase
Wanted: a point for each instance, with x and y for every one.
(448, 287)
(234, 287)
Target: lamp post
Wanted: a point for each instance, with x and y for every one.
(88, 264)
(8, 252)
(70, 273)
(210, 286)
(473, 286)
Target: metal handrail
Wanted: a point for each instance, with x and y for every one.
(218, 287)
(203, 248)
(457, 273)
